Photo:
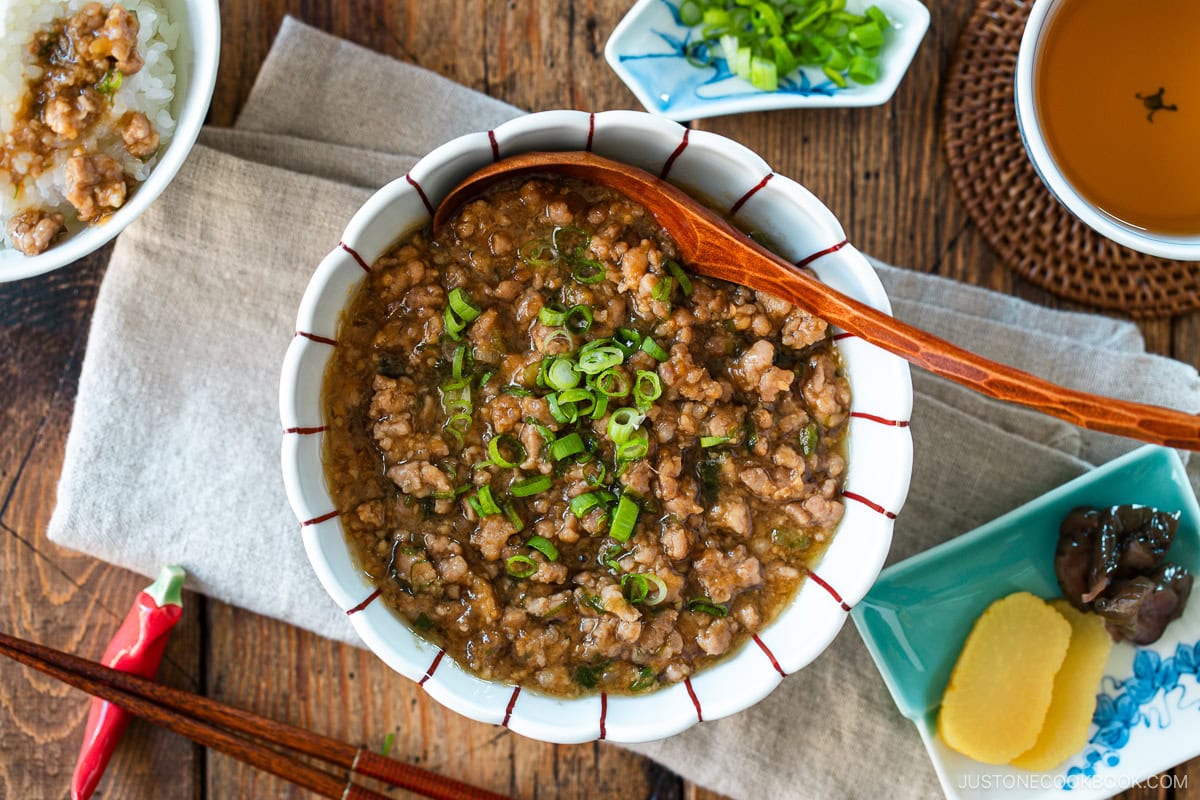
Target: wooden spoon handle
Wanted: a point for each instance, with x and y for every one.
(734, 256)
(715, 248)
(1122, 417)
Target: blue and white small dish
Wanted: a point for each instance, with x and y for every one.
(917, 617)
(647, 48)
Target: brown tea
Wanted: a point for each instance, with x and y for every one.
(1117, 87)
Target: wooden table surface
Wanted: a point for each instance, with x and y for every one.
(881, 170)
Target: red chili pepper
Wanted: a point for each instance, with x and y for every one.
(137, 648)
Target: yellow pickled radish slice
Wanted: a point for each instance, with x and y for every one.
(1000, 690)
(1065, 731)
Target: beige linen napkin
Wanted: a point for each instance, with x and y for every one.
(173, 452)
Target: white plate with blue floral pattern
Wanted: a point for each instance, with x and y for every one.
(648, 48)
(1147, 719)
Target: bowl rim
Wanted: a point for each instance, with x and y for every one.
(203, 16)
(879, 458)
(1179, 248)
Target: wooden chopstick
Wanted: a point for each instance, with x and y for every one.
(197, 717)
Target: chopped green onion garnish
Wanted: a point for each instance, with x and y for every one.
(628, 340)
(660, 587)
(622, 424)
(597, 356)
(601, 406)
(705, 606)
(566, 446)
(635, 448)
(611, 383)
(586, 270)
(561, 373)
(570, 240)
(461, 302)
(530, 486)
(450, 495)
(483, 502)
(538, 253)
(579, 319)
(636, 586)
(863, 70)
(685, 283)
(520, 566)
(514, 518)
(656, 352)
(515, 390)
(662, 290)
(553, 314)
(582, 398)
(391, 737)
(714, 441)
(516, 451)
(593, 602)
(597, 479)
(556, 335)
(646, 389)
(867, 35)
(625, 519)
(645, 679)
(763, 41)
(543, 546)
(110, 83)
(457, 425)
(546, 434)
(808, 439)
(834, 76)
(458, 362)
(585, 502)
(454, 325)
(562, 413)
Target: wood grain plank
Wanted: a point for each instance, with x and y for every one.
(350, 694)
(55, 596)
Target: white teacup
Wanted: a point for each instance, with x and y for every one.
(1178, 247)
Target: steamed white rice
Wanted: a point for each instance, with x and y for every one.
(150, 90)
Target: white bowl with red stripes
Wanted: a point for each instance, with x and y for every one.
(879, 457)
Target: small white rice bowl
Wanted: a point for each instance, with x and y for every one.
(150, 91)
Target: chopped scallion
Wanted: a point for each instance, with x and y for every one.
(566, 446)
(543, 546)
(714, 441)
(703, 605)
(538, 253)
(506, 441)
(656, 352)
(553, 314)
(483, 502)
(520, 566)
(561, 373)
(808, 439)
(685, 283)
(530, 486)
(625, 519)
(582, 504)
(622, 424)
(514, 517)
(646, 389)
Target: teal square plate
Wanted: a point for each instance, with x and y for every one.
(917, 617)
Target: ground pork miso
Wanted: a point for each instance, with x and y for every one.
(571, 462)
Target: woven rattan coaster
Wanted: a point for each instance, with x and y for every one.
(1033, 234)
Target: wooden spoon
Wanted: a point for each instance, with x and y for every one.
(713, 247)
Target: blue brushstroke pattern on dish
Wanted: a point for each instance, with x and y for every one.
(1140, 701)
(704, 82)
